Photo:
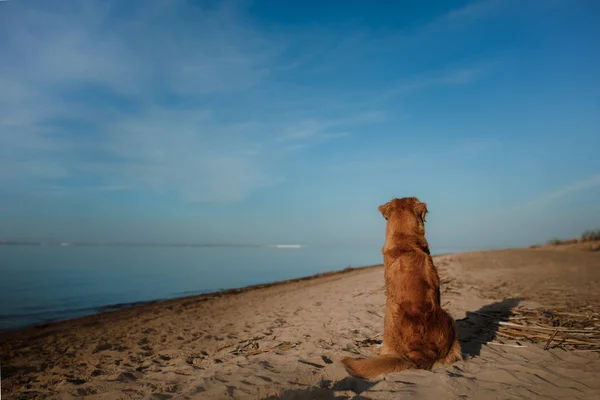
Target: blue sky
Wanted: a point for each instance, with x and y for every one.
(272, 121)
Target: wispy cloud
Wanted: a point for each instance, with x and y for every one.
(581, 185)
(375, 165)
(455, 149)
(457, 76)
(184, 151)
(326, 129)
(474, 10)
(73, 43)
(177, 98)
(139, 95)
(72, 68)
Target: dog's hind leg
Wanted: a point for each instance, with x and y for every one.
(455, 354)
(423, 359)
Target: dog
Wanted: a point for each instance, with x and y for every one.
(418, 333)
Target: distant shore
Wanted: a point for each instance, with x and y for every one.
(157, 244)
(133, 244)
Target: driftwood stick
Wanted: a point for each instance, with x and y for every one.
(505, 344)
(547, 345)
(567, 340)
(541, 328)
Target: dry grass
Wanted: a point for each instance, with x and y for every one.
(557, 242)
(590, 235)
(588, 241)
(570, 331)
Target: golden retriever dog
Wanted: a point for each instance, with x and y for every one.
(417, 332)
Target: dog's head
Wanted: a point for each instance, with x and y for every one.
(407, 213)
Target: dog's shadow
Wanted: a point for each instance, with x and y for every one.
(474, 331)
(481, 326)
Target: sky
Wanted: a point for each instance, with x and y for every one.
(291, 122)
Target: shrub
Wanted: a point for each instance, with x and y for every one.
(590, 235)
(555, 242)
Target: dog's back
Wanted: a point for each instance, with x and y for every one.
(417, 332)
(417, 327)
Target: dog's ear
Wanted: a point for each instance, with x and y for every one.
(420, 210)
(386, 209)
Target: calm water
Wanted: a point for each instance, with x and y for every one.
(44, 283)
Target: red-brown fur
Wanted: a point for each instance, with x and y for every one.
(417, 332)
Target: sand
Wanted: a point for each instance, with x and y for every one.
(285, 341)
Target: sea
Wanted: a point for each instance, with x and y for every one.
(40, 284)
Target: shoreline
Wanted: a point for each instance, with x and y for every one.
(116, 308)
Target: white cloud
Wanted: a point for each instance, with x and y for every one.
(186, 152)
(186, 50)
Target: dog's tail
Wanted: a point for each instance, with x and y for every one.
(372, 367)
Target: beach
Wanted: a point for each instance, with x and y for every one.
(527, 319)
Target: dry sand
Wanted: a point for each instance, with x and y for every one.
(285, 341)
